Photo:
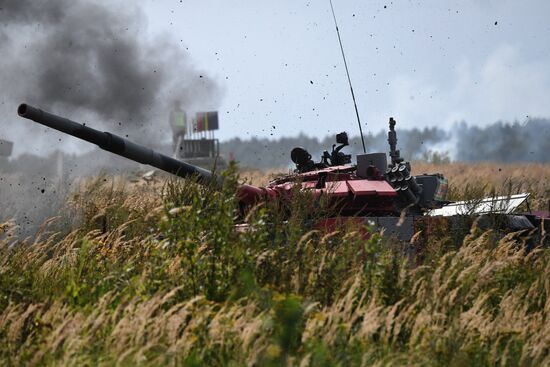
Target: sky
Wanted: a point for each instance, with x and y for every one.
(426, 63)
(278, 71)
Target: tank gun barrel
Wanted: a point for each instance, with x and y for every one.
(118, 145)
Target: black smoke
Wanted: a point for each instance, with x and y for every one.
(95, 59)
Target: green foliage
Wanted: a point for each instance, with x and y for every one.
(163, 277)
(198, 229)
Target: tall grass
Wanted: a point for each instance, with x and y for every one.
(157, 274)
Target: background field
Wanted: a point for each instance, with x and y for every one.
(152, 272)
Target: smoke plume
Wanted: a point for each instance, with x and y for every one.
(95, 62)
(505, 142)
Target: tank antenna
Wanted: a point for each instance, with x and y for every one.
(349, 79)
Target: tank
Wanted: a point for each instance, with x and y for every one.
(368, 188)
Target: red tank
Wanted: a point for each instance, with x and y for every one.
(384, 194)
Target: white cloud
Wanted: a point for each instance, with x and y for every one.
(504, 86)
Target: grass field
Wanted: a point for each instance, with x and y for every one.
(154, 273)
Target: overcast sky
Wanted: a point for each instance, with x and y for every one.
(424, 62)
(280, 72)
